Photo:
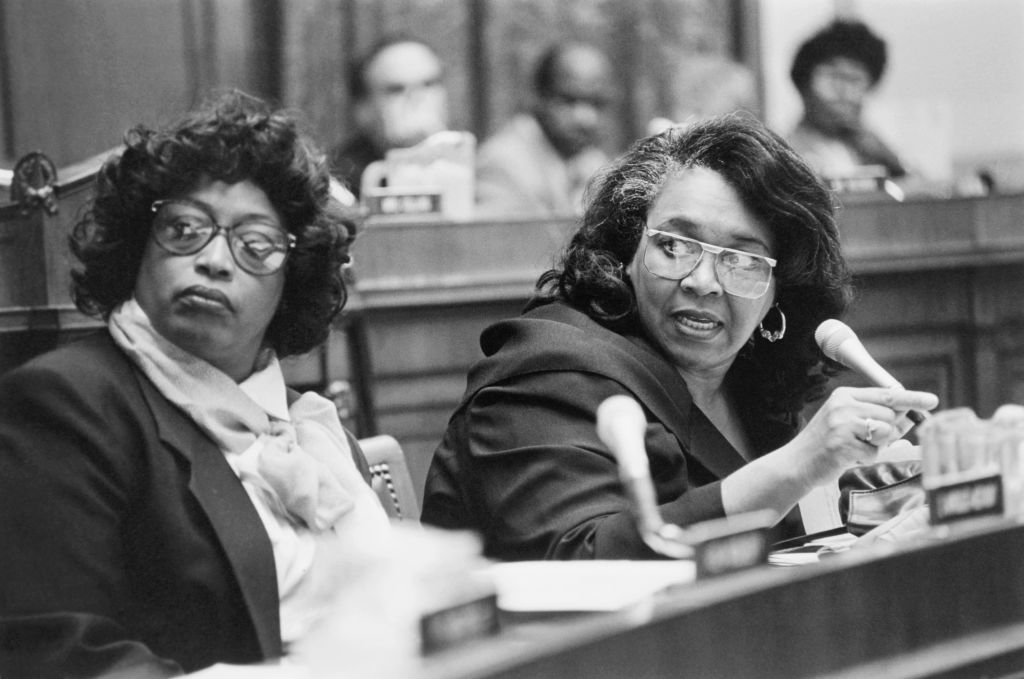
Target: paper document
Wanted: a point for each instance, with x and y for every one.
(584, 585)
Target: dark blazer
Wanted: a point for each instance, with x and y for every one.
(126, 540)
(522, 464)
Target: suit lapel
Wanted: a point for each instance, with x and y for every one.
(655, 382)
(665, 393)
(709, 446)
(231, 513)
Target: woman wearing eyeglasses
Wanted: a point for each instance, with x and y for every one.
(164, 497)
(705, 261)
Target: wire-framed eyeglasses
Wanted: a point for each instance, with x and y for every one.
(674, 257)
(258, 245)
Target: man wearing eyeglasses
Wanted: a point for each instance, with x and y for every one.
(540, 161)
(399, 99)
(705, 260)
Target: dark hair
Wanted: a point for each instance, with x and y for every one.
(776, 185)
(358, 87)
(232, 138)
(851, 39)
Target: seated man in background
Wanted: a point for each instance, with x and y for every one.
(399, 100)
(834, 71)
(539, 163)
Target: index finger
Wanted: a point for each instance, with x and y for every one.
(914, 404)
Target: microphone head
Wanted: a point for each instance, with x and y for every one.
(830, 334)
(621, 425)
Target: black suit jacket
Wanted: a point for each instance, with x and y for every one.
(521, 462)
(126, 540)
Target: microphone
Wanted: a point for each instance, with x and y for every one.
(620, 426)
(840, 343)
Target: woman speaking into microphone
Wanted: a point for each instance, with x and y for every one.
(705, 261)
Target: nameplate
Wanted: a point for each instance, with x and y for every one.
(461, 622)
(862, 179)
(856, 184)
(403, 203)
(731, 544)
(965, 500)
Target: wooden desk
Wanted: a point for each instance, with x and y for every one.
(951, 607)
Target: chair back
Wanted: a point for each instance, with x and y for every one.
(390, 477)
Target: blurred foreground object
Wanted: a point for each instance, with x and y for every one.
(432, 178)
(419, 591)
(971, 466)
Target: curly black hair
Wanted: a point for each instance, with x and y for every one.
(233, 137)
(776, 185)
(841, 38)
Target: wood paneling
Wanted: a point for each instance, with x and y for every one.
(649, 42)
(490, 47)
(74, 75)
(77, 74)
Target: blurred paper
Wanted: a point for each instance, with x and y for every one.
(270, 670)
(444, 163)
(811, 551)
(819, 509)
(584, 585)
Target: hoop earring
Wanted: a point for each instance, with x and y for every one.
(774, 335)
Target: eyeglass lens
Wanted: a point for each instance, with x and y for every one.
(675, 257)
(259, 247)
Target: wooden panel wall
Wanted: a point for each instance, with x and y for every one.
(74, 74)
(489, 48)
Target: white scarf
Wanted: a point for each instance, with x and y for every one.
(304, 467)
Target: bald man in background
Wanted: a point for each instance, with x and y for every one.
(399, 100)
(539, 163)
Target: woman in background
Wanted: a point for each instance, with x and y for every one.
(835, 71)
(705, 261)
(162, 492)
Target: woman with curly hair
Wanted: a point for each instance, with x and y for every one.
(835, 71)
(163, 494)
(705, 261)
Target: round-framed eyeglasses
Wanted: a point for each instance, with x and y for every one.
(674, 257)
(258, 245)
